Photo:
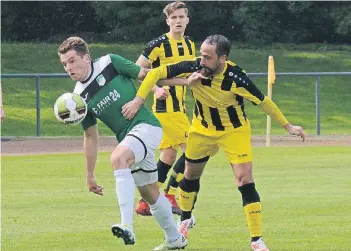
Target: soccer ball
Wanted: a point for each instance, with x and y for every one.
(70, 109)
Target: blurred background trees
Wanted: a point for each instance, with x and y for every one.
(138, 21)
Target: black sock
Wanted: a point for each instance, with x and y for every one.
(179, 166)
(162, 169)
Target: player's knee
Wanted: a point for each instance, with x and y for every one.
(119, 160)
(243, 174)
(190, 185)
(243, 179)
(192, 173)
(169, 156)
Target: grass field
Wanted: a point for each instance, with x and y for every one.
(294, 95)
(305, 193)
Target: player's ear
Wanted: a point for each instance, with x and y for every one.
(187, 20)
(87, 57)
(222, 59)
(167, 21)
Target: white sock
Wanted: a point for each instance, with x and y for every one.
(125, 190)
(162, 211)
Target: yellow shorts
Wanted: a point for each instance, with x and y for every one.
(203, 143)
(175, 128)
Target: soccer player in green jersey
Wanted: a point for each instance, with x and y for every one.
(106, 86)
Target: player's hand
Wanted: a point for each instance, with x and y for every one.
(93, 187)
(130, 109)
(161, 93)
(295, 130)
(195, 77)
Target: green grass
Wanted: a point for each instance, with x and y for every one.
(46, 206)
(294, 95)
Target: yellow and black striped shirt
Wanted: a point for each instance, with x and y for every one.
(165, 50)
(219, 100)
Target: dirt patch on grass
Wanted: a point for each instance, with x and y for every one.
(46, 145)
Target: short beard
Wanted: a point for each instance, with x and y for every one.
(207, 72)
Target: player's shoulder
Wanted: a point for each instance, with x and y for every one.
(189, 38)
(233, 70)
(156, 42)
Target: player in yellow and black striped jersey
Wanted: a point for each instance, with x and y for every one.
(169, 102)
(219, 87)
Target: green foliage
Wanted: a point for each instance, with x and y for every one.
(140, 21)
(46, 205)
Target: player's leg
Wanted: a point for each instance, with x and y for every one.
(121, 160)
(168, 156)
(145, 177)
(181, 125)
(240, 156)
(177, 173)
(189, 188)
(200, 147)
(251, 203)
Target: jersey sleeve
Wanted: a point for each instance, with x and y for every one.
(152, 51)
(183, 67)
(245, 88)
(166, 71)
(88, 121)
(125, 66)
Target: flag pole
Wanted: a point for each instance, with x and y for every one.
(271, 80)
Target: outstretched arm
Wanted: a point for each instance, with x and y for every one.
(246, 88)
(91, 138)
(170, 71)
(271, 109)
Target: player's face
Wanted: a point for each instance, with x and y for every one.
(177, 21)
(210, 62)
(77, 67)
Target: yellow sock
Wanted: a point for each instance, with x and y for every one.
(186, 200)
(160, 184)
(180, 176)
(172, 190)
(254, 218)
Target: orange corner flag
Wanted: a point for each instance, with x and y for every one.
(271, 71)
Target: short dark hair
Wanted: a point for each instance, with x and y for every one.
(221, 42)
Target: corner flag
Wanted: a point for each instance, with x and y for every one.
(271, 81)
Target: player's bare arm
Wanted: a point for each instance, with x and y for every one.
(91, 138)
(142, 73)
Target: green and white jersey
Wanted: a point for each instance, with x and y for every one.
(107, 89)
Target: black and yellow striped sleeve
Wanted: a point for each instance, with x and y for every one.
(182, 67)
(244, 87)
(153, 50)
(166, 71)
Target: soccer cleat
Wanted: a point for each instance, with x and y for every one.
(179, 243)
(259, 245)
(143, 208)
(174, 204)
(185, 225)
(124, 232)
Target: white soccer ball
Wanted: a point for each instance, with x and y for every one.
(70, 109)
